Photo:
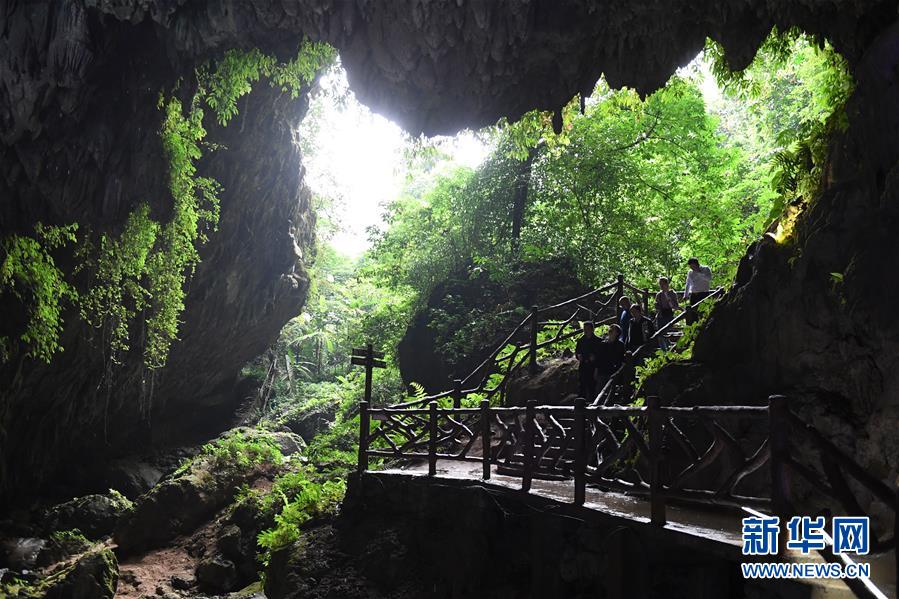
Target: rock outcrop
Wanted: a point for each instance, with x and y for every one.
(95, 516)
(95, 575)
(469, 313)
(201, 487)
(92, 165)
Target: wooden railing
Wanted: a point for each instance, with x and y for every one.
(723, 456)
(520, 347)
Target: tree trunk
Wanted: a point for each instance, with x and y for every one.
(519, 201)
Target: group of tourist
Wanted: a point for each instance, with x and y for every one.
(599, 358)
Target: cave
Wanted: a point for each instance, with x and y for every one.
(82, 82)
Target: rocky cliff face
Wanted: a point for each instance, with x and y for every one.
(78, 140)
(83, 146)
(469, 313)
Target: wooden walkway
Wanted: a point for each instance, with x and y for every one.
(717, 533)
(676, 469)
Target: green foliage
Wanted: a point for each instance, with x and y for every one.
(234, 453)
(681, 352)
(141, 271)
(638, 187)
(29, 273)
(557, 348)
(122, 502)
(69, 542)
(234, 74)
(535, 129)
(794, 92)
(296, 497)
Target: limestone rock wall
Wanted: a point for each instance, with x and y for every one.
(81, 144)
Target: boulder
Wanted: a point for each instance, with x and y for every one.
(94, 515)
(182, 584)
(289, 443)
(93, 576)
(216, 574)
(173, 507)
(208, 483)
(133, 477)
(556, 382)
(308, 421)
(20, 553)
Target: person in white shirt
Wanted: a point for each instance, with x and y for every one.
(697, 287)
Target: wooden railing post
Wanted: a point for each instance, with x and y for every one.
(779, 441)
(580, 451)
(432, 438)
(532, 349)
(896, 533)
(369, 365)
(619, 293)
(486, 449)
(457, 393)
(530, 430)
(656, 430)
(364, 431)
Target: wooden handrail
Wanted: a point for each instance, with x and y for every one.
(486, 367)
(683, 314)
(573, 300)
(585, 445)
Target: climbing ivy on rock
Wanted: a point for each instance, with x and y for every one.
(141, 271)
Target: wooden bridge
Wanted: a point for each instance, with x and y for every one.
(705, 464)
(701, 461)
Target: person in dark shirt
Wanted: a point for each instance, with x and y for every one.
(666, 304)
(641, 328)
(587, 352)
(610, 357)
(624, 318)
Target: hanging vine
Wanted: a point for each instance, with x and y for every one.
(138, 276)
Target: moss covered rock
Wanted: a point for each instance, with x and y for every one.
(94, 576)
(202, 486)
(95, 516)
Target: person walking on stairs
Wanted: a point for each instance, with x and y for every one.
(641, 328)
(624, 318)
(610, 357)
(697, 287)
(587, 351)
(666, 304)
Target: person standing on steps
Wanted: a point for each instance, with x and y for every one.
(697, 288)
(666, 304)
(587, 352)
(624, 318)
(610, 357)
(640, 328)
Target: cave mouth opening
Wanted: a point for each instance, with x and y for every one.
(702, 167)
